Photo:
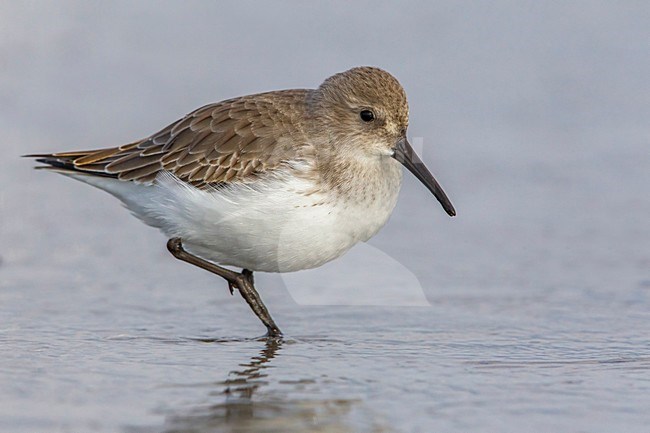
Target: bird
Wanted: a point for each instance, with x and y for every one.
(279, 181)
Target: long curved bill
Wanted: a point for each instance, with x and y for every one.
(404, 153)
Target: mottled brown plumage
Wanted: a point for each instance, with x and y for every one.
(230, 140)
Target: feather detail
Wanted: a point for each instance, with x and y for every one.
(219, 143)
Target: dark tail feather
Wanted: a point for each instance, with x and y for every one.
(64, 162)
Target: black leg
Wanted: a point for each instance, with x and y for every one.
(241, 281)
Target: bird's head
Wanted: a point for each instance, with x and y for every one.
(364, 112)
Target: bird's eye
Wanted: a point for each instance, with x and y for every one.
(367, 116)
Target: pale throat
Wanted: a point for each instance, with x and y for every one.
(366, 180)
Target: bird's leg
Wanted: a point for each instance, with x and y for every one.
(241, 281)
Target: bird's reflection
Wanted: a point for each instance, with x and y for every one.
(242, 383)
(239, 412)
(254, 403)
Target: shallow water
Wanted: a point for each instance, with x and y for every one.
(530, 311)
(482, 363)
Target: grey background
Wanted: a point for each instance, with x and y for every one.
(534, 117)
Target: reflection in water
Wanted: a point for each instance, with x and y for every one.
(257, 404)
(242, 383)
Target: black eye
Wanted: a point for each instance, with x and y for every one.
(367, 116)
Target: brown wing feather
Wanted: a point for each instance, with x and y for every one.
(222, 142)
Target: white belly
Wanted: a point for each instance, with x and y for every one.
(270, 227)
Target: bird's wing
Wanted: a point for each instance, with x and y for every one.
(233, 140)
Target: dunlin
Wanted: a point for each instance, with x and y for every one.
(273, 182)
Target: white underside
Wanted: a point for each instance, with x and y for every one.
(269, 226)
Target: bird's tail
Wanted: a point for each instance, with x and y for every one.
(91, 162)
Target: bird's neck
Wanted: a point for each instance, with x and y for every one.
(361, 179)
